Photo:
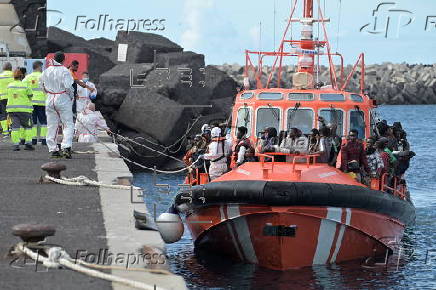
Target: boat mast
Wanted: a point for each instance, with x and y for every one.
(306, 54)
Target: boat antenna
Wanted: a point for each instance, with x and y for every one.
(339, 24)
(274, 33)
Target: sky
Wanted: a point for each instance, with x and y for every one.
(223, 29)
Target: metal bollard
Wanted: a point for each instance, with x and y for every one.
(33, 233)
(53, 169)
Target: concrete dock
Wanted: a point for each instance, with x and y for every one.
(91, 222)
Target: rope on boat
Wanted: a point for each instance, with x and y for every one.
(58, 257)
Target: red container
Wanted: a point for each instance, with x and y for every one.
(82, 58)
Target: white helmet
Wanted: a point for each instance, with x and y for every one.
(216, 132)
(205, 127)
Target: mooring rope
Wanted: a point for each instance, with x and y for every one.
(58, 257)
(85, 181)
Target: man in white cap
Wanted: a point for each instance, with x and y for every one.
(217, 152)
(88, 123)
(57, 83)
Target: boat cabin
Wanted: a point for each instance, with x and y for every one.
(287, 108)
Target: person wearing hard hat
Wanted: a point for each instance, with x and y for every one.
(217, 152)
(85, 94)
(19, 107)
(38, 101)
(88, 123)
(6, 77)
(57, 83)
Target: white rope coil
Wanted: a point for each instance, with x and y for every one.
(58, 257)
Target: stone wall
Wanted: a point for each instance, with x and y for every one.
(388, 83)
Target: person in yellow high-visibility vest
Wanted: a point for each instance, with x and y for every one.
(38, 100)
(19, 107)
(6, 77)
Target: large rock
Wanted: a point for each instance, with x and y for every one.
(164, 60)
(114, 85)
(59, 39)
(142, 46)
(219, 84)
(151, 113)
(104, 45)
(179, 83)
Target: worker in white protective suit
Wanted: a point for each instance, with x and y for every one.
(85, 94)
(88, 123)
(217, 152)
(57, 83)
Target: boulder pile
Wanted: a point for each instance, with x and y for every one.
(151, 92)
(388, 83)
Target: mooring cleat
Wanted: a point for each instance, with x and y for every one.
(16, 148)
(53, 169)
(33, 233)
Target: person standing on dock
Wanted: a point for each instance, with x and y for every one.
(6, 77)
(19, 107)
(57, 83)
(38, 100)
(85, 94)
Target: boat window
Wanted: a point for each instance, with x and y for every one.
(270, 96)
(244, 119)
(357, 122)
(268, 117)
(331, 97)
(246, 96)
(301, 96)
(356, 98)
(333, 116)
(301, 119)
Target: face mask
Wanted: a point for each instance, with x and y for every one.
(85, 79)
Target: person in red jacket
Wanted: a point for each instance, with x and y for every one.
(353, 158)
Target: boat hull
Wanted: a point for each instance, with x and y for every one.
(288, 237)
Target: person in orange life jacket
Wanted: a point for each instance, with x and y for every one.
(243, 152)
(353, 156)
(217, 152)
(74, 67)
(85, 94)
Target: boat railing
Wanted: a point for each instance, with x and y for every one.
(394, 187)
(268, 160)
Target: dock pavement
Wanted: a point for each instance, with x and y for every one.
(92, 223)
